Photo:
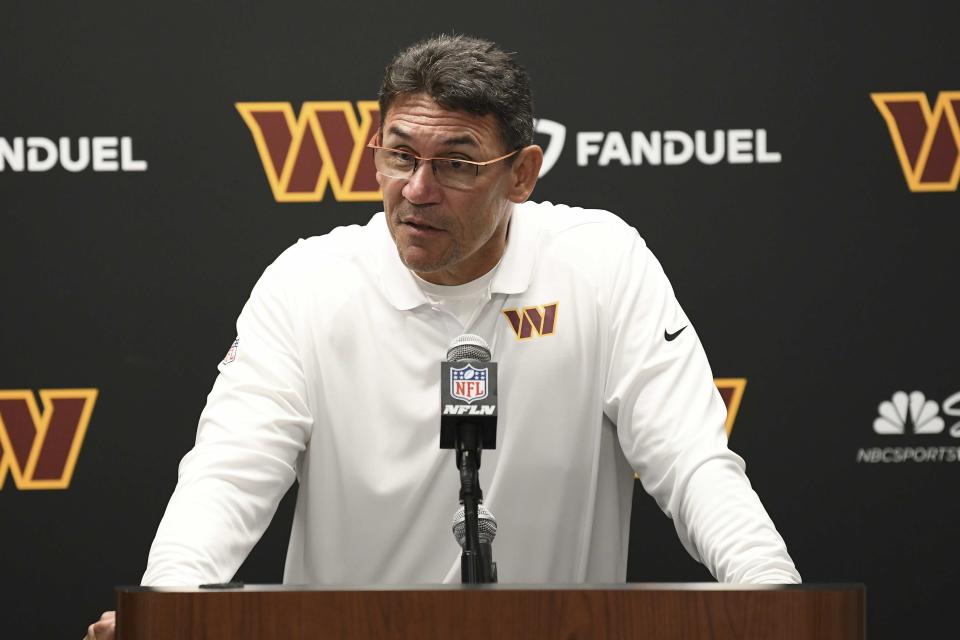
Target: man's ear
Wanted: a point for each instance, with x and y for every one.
(524, 173)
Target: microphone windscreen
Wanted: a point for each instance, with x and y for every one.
(468, 347)
(487, 526)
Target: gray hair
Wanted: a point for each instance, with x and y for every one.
(467, 74)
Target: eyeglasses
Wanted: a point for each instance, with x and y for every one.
(450, 172)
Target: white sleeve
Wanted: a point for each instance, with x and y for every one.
(670, 423)
(251, 432)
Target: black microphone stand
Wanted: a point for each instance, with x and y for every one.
(476, 565)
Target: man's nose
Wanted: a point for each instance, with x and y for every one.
(422, 187)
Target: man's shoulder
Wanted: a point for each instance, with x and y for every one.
(585, 231)
(561, 217)
(339, 262)
(342, 246)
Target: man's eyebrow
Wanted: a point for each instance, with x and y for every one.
(400, 133)
(460, 140)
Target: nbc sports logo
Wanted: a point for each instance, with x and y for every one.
(916, 410)
(913, 414)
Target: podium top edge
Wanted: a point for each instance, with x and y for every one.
(632, 586)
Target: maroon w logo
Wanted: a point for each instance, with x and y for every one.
(40, 448)
(533, 320)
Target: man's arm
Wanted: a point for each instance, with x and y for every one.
(255, 425)
(670, 422)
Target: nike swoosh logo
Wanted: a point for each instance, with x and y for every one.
(671, 336)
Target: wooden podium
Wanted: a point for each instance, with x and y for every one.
(649, 611)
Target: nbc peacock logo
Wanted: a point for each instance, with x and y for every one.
(914, 410)
(914, 420)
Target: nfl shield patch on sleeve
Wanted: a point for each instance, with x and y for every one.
(232, 352)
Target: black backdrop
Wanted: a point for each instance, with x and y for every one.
(822, 279)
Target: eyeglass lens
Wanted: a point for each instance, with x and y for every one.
(449, 172)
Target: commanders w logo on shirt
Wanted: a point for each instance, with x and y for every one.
(528, 321)
(38, 449)
(927, 140)
(323, 146)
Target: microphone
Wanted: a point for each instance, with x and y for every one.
(486, 532)
(468, 424)
(468, 346)
(468, 391)
(487, 529)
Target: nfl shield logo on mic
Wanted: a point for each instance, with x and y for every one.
(468, 383)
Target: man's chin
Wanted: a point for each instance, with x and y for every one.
(422, 262)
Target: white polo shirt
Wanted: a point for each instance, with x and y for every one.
(335, 382)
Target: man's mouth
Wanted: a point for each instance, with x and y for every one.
(420, 225)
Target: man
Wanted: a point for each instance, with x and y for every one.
(334, 378)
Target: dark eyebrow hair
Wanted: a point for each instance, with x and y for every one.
(449, 142)
(400, 133)
(464, 140)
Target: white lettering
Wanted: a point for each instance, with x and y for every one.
(643, 147)
(898, 455)
(40, 154)
(739, 146)
(11, 155)
(105, 153)
(764, 156)
(614, 148)
(673, 156)
(469, 409)
(127, 163)
(700, 143)
(587, 145)
(34, 147)
(83, 154)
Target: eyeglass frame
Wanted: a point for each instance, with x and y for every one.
(419, 160)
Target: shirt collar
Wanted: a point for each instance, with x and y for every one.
(513, 276)
(396, 281)
(516, 266)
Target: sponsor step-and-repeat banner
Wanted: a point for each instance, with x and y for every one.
(794, 171)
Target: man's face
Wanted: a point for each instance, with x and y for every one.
(447, 236)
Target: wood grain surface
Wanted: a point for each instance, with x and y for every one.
(652, 612)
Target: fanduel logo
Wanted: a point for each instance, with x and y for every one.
(36, 154)
(735, 146)
(556, 135)
(927, 141)
(914, 414)
(40, 449)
